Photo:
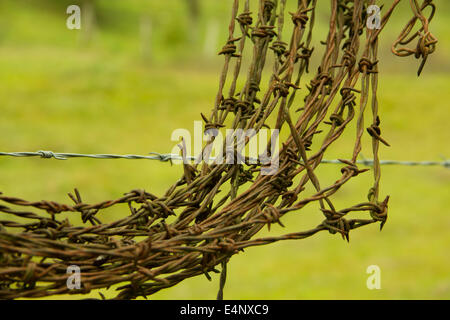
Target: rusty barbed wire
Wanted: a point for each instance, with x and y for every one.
(426, 44)
(197, 225)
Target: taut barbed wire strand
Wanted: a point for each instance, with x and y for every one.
(167, 157)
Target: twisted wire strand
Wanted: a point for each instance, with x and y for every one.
(166, 157)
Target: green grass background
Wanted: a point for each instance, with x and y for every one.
(61, 94)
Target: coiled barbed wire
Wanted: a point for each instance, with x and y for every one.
(198, 225)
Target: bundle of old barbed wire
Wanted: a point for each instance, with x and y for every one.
(148, 250)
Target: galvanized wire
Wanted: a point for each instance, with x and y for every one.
(167, 157)
(66, 156)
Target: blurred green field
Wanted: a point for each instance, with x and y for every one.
(60, 94)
